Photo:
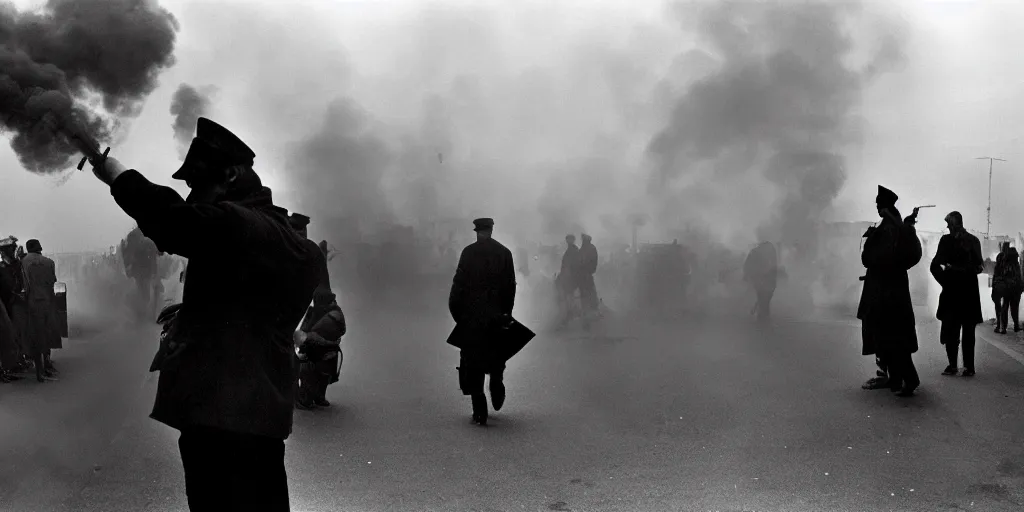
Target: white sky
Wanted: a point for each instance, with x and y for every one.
(961, 96)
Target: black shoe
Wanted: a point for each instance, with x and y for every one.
(968, 373)
(480, 410)
(322, 402)
(949, 371)
(906, 392)
(498, 395)
(876, 383)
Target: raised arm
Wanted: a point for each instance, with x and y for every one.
(174, 225)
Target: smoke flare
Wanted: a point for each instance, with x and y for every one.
(77, 69)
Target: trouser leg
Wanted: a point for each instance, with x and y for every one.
(968, 345)
(1004, 310)
(227, 471)
(949, 334)
(1015, 309)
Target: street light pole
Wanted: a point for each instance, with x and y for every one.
(988, 226)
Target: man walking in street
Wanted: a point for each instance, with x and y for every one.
(227, 373)
(481, 300)
(955, 267)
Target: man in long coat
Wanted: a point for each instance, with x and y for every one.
(227, 373)
(42, 306)
(585, 270)
(886, 310)
(482, 296)
(567, 281)
(761, 270)
(955, 267)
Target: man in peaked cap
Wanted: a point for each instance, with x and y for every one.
(227, 373)
(482, 295)
(886, 310)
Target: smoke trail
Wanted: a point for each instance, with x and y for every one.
(187, 106)
(780, 108)
(80, 65)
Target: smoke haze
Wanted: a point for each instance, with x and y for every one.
(187, 106)
(84, 65)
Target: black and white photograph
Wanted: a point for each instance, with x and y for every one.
(511, 255)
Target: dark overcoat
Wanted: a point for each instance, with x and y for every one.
(483, 291)
(886, 310)
(250, 278)
(761, 268)
(960, 300)
(42, 302)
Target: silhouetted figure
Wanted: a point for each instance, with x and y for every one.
(567, 281)
(481, 300)
(140, 257)
(227, 358)
(42, 306)
(10, 285)
(761, 270)
(886, 310)
(320, 352)
(15, 296)
(585, 270)
(955, 267)
(1007, 284)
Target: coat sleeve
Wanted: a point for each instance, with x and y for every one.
(977, 263)
(508, 285)
(910, 250)
(455, 296)
(174, 225)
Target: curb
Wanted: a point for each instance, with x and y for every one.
(1005, 347)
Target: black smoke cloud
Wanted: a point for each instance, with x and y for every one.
(80, 65)
(187, 105)
(779, 108)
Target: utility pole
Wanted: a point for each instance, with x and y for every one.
(988, 226)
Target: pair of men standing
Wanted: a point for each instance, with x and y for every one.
(579, 264)
(886, 309)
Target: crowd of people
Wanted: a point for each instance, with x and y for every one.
(30, 328)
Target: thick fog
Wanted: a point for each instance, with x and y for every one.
(715, 123)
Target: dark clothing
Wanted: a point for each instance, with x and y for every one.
(952, 334)
(568, 280)
(250, 278)
(761, 270)
(885, 308)
(960, 300)
(42, 302)
(324, 325)
(471, 375)
(585, 270)
(10, 354)
(227, 471)
(1006, 308)
(483, 290)
(902, 372)
(14, 295)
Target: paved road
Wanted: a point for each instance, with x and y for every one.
(710, 414)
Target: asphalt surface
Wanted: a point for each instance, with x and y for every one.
(707, 413)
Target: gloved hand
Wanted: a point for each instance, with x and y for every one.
(108, 170)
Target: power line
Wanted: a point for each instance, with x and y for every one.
(988, 227)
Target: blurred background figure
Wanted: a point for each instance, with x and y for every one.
(140, 256)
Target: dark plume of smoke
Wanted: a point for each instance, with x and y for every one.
(187, 106)
(778, 108)
(77, 67)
